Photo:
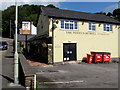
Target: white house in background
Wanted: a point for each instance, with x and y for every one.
(28, 28)
(33, 29)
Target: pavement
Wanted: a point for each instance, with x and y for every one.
(78, 76)
(7, 71)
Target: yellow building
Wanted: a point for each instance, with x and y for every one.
(74, 34)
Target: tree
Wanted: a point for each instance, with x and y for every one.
(116, 14)
(25, 13)
(109, 14)
(52, 6)
(103, 13)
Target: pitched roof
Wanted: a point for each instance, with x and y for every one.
(76, 15)
(23, 37)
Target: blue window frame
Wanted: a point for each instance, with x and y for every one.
(92, 26)
(108, 27)
(69, 25)
(62, 23)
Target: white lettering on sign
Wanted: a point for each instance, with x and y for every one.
(67, 58)
(91, 59)
(98, 56)
(107, 57)
(25, 25)
(86, 33)
(70, 52)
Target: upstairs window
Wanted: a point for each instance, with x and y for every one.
(69, 25)
(108, 27)
(92, 26)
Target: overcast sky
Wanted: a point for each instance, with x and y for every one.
(7, 3)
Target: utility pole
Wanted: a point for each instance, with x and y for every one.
(53, 38)
(16, 81)
(52, 42)
(10, 28)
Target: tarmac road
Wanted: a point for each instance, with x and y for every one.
(7, 65)
(7, 68)
(78, 76)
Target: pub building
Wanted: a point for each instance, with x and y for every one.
(65, 35)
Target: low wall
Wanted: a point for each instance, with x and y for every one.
(115, 60)
(26, 73)
(50, 53)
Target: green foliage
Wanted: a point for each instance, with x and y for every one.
(51, 6)
(109, 14)
(115, 14)
(103, 13)
(25, 13)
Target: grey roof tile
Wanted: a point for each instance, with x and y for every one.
(68, 14)
(22, 37)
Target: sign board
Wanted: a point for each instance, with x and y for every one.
(25, 27)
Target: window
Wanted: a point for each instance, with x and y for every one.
(92, 26)
(69, 24)
(108, 27)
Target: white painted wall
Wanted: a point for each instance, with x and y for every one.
(33, 29)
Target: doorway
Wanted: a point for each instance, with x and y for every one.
(69, 51)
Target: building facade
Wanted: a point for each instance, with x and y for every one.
(75, 34)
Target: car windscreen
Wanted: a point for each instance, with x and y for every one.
(4, 43)
(0, 43)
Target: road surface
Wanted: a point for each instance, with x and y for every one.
(78, 76)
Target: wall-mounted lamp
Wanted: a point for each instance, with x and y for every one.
(82, 23)
(99, 24)
(119, 27)
(69, 41)
(57, 22)
(54, 26)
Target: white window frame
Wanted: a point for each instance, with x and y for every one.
(69, 22)
(107, 26)
(90, 28)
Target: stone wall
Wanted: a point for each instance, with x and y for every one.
(26, 72)
(29, 81)
(115, 60)
(49, 53)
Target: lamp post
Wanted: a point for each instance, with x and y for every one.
(10, 28)
(16, 81)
